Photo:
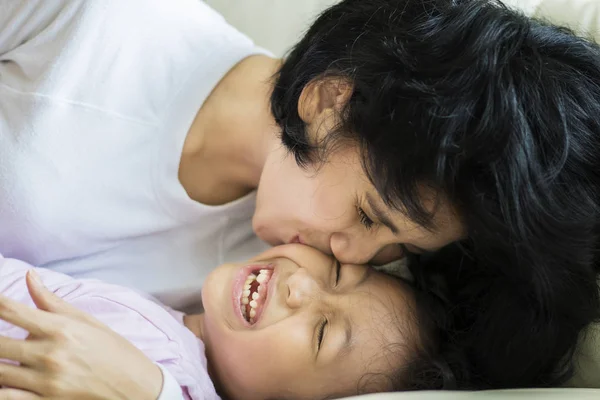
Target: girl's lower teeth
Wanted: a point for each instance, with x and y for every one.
(249, 301)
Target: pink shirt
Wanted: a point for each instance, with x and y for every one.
(154, 329)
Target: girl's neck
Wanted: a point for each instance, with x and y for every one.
(227, 145)
(195, 323)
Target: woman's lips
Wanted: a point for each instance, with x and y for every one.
(296, 239)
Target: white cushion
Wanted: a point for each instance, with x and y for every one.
(277, 24)
(583, 16)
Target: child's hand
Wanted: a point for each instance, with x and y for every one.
(69, 354)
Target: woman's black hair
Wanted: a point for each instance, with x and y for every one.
(501, 114)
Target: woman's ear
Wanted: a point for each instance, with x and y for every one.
(322, 97)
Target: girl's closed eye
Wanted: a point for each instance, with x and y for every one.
(321, 333)
(338, 272)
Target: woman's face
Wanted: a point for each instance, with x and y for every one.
(338, 211)
(334, 207)
(317, 327)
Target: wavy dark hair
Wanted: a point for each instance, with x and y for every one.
(501, 114)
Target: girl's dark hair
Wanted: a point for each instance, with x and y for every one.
(501, 114)
(436, 361)
(429, 357)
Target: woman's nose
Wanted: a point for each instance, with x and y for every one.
(352, 251)
(302, 289)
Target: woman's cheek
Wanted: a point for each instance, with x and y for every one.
(329, 206)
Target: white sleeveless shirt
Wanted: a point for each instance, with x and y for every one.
(96, 99)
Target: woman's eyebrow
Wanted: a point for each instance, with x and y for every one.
(381, 215)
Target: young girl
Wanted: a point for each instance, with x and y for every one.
(292, 323)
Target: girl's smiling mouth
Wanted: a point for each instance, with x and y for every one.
(254, 292)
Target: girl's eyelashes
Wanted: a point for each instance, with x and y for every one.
(418, 251)
(338, 272)
(321, 334)
(364, 218)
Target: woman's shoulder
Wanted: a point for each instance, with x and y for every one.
(124, 58)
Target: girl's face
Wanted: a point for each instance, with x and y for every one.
(334, 207)
(314, 328)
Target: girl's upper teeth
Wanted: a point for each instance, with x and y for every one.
(251, 299)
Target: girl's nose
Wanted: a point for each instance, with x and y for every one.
(302, 289)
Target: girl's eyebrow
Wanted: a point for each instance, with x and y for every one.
(348, 326)
(348, 335)
(344, 347)
(364, 277)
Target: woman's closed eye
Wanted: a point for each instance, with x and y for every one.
(364, 218)
(338, 272)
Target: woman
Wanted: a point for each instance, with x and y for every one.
(134, 133)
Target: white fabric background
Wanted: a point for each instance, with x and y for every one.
(277, 24)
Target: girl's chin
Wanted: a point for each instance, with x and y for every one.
(211, 290)
(217, 288)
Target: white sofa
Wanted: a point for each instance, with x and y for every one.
(277, 24)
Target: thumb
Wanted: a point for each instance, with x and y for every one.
(46, 300)
(43, 298)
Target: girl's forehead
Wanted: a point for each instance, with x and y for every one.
(380, 338)
(380, 313)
